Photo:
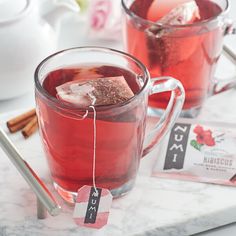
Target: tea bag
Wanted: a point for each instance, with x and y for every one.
(185, 13)
(96, 92)
(161, 8)
(164, 47)
(92, 203)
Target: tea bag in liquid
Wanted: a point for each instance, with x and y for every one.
(183, 14)
(95, 92)
(165, 47)
(161, 8)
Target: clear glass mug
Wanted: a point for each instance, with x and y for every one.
(187, 52)
(67, 130)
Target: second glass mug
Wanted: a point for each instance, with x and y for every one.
(67, 133)
(187, 52)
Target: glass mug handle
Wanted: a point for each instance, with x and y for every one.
(229, 83)
(168, 118)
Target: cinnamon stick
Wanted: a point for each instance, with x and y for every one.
(20, 120)
(20, 125)
(30, 128)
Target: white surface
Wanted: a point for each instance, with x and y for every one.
(11, 8)
(154, 207)
(21, 52)
(73, 36)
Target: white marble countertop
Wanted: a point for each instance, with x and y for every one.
(17, 210)
(154, 207)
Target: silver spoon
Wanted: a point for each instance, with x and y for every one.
(45, 198)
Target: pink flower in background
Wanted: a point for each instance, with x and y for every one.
(105, 19)
(99, 14)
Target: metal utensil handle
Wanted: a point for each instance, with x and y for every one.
(228, 83)
(229, 54)
(29, 175)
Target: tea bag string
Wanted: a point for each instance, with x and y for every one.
(85, 115)
(94, 145)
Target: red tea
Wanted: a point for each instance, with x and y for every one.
(189, 54)
(69, 138)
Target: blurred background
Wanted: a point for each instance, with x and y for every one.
(79, 29)
(89, 27)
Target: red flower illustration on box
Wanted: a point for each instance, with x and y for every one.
(204, 137)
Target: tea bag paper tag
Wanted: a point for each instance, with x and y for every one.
(92, 207)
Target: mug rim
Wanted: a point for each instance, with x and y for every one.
(200, 23)
(54, 101)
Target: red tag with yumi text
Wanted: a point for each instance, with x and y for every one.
(92, 207)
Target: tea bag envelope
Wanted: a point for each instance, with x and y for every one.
(167, 49)
(95, 92)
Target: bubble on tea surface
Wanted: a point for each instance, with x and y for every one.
(165, 47)
(100, 91)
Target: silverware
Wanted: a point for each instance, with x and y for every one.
(44, 197)
(229, 54)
